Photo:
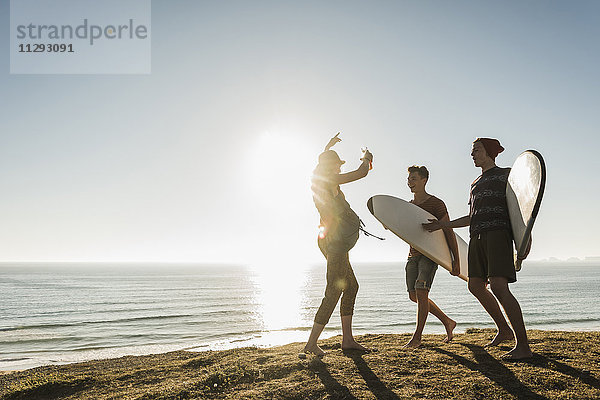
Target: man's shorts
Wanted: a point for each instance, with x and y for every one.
(420, 272)
(491, 255)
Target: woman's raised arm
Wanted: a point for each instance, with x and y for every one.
(358, 173)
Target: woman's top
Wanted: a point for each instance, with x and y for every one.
(340, 224)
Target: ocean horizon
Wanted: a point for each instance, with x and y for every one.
(57, 313)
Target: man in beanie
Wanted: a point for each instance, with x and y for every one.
(491, 247)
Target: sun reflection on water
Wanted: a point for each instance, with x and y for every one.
(280, 296)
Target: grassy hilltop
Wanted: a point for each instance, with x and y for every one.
(566, 365)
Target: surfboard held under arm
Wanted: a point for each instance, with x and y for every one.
(405, 220)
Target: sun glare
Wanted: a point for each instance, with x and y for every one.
(280, 166)
(278, 194)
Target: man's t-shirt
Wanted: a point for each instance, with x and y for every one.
(434, 206)
(488, 208)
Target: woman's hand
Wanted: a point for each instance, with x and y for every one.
(367, 155)
(333, 141)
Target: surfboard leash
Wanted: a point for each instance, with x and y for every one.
(363, 230)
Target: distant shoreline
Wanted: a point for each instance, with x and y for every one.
(565, 365)
(159, 266)
(588, 261)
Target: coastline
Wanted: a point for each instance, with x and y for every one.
(141, 312)
(565, 366)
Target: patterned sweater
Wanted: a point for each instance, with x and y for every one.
(488, 208)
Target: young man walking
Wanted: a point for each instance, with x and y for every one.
(491, 247)
(420, 270)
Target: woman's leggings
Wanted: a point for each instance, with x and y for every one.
(340, 281)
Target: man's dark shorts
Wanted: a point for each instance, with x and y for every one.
(491, 255)
(420, 272)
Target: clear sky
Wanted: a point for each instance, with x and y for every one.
(208, 158)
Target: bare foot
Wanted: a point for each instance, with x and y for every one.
(316, 350)
(500, 337)
(450, 331)
(353, 345)
(413, 344)
(518, 353)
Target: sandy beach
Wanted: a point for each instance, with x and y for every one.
(566, 365)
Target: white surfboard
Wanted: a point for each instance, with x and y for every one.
(524, 192)
(405, 219)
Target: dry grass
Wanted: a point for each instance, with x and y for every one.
(566, 365)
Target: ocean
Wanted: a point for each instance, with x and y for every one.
(63, 313)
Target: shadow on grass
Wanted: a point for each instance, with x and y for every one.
(335, 389)
(378, 388)
(493, 370)
(549, 363)
(52, 390)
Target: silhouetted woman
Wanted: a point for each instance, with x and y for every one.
(338, 234)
